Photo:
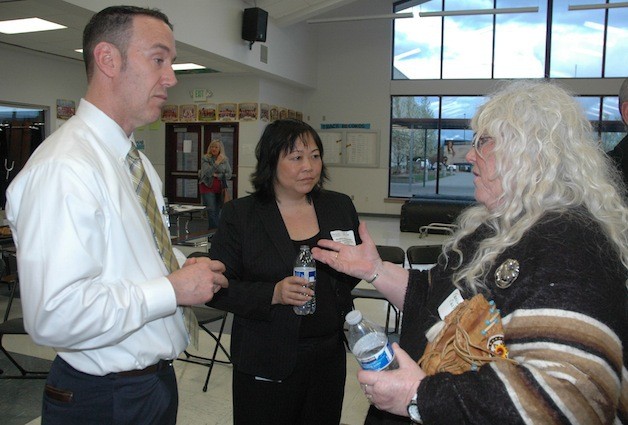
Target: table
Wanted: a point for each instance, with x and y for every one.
(181, 235)
(184, 210)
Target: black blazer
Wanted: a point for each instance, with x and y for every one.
(620, 156)
(253, 243)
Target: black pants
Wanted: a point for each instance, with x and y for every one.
(312, 394)
(76, 398)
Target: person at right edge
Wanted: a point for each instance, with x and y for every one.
(548, 244)
(620, 152)
(288, 369)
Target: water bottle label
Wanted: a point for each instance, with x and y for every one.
(376, 358)
(307, 272)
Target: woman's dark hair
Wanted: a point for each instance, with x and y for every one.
(114, 25)
(279, 137)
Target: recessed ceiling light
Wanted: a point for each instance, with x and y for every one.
(186, 66)
(19, 26)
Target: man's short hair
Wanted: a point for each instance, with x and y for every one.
(113, 25)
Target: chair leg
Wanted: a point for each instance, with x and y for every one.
(24, 373)
(10, 280)
(211, 365)
(209, 362)
(397, 321)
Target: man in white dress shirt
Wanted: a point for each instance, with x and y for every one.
(94, 286)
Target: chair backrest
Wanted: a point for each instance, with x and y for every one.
(197, 254)
(394, 254)
(423, 254)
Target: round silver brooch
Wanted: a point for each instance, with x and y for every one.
(507, 273)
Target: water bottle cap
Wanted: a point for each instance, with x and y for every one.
(353, 317)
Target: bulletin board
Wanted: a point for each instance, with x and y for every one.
(351, 148)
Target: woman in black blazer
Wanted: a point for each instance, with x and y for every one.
(288, 369)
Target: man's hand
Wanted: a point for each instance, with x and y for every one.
(198, 280)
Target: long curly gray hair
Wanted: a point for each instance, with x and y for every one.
(548, 160)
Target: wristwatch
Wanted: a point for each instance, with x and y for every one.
(413, 411)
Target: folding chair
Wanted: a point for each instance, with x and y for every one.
(423, 256)
(14, 326)
(437, 228)
(206, 316)
(393, 254)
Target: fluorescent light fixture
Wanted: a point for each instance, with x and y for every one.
(19, 26)
(78, 50)
(361, 18)
(480, 11)
(186, 66)
(597, 6)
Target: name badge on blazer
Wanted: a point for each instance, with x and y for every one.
(346, 237)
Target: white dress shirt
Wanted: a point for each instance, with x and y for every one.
(92, 282)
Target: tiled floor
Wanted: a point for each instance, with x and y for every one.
(214, 406)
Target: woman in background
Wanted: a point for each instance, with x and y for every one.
(288, 369)
(215, 172)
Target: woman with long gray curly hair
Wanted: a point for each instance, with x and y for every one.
(547, 244)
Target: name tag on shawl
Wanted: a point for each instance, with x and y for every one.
(346, 237)
(450, 303)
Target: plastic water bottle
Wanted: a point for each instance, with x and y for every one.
(369, 343)
(305, 266)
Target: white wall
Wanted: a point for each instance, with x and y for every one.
(215, 26)
(354, 87)
(37, 79)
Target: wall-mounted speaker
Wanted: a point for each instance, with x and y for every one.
(254, 22)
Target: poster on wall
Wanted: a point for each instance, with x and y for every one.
(283, 113)
(274, 113)
(247, 111)
(299, 115)
(207, 112)
(227, 112)
(65, 109)
(187, 113)
(170, 113)
(264, 112)
(292, 114)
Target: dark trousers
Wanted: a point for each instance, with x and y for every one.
(312, 394)
(76, 398)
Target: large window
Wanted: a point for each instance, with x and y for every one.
(429, 143)
(430, 135)
(583, 43)
(430, 138)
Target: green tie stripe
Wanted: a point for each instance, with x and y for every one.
(161, 234)
(145, 195)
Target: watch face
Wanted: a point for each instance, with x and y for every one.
(413, 412)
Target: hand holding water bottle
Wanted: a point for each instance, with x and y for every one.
(369, 343)
(392, 390)
(298, 290)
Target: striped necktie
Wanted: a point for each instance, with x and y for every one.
(161, 235)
